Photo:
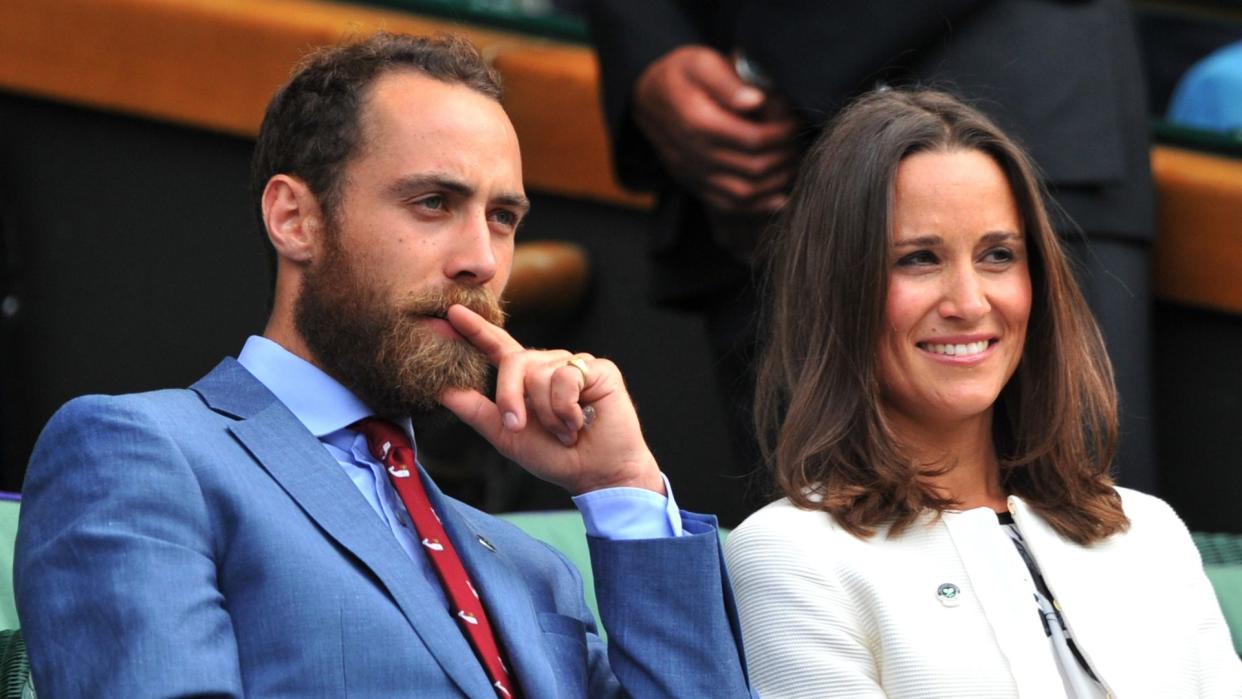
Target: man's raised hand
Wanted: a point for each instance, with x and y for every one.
(537, 417)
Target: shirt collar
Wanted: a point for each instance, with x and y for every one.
(317, 400)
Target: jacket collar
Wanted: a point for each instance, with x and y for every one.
(296, 460)
(319, 401)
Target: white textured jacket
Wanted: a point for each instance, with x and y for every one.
(826, 614)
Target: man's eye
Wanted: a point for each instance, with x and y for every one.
(505, 217)
(435, 203)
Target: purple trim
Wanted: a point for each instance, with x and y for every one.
(13, 497)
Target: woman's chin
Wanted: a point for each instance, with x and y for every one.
(950, 409)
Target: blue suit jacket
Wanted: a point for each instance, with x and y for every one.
(203, 542)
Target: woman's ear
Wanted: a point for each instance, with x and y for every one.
(293, 218)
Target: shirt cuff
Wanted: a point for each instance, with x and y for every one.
(630, 513)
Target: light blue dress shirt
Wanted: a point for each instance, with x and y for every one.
(327, 409)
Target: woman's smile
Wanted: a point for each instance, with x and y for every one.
(959, 350)
(959, 292)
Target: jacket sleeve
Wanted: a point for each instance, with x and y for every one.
(802, 633)
(629, 36)
(668, 608)
(114, 570)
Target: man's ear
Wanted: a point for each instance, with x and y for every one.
(293, 218)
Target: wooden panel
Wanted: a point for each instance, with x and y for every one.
(551, 93)
(1198, 254)
(215, 63)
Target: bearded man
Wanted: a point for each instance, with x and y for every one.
(269, 531)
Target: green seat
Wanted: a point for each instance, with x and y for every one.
(15, 681)
(1222, 560)
(9, 507)
(564, 531)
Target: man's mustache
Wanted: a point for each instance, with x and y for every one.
(436, 302)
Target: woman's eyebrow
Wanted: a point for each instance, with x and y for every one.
(1001, 237)
(931, 241)
(919, 242)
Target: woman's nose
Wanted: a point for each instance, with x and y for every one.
(965, 296)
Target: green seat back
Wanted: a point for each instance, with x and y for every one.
(1222, 560)
(8, 533)
(564, 531)
(15, 682)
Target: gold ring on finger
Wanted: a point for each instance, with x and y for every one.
(580, 364)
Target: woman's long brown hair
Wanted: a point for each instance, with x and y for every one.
(818, 410)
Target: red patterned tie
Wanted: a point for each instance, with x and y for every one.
(392, 447)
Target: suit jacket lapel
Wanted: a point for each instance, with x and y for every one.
(312, 478)
(505, 597)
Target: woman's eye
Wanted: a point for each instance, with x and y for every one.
(916, 259)
(999, 255)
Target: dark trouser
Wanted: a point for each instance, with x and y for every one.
(731, 329)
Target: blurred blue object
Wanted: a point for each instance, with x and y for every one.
(1209, 95)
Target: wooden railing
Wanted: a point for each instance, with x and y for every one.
(214, 64)
(1198, 255)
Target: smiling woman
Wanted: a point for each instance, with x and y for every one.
(917, 223)
(959, 296)
(939, 411)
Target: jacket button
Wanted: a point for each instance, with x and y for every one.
(949, 594)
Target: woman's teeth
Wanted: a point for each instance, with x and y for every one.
(962, 350)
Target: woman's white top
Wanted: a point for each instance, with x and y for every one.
(945, 608)
(1080, 681)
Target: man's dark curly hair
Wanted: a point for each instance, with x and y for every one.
(312, 126)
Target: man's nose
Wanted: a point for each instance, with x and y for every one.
(472, 259)
(965, 296)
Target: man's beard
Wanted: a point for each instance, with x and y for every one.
(384, 351)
